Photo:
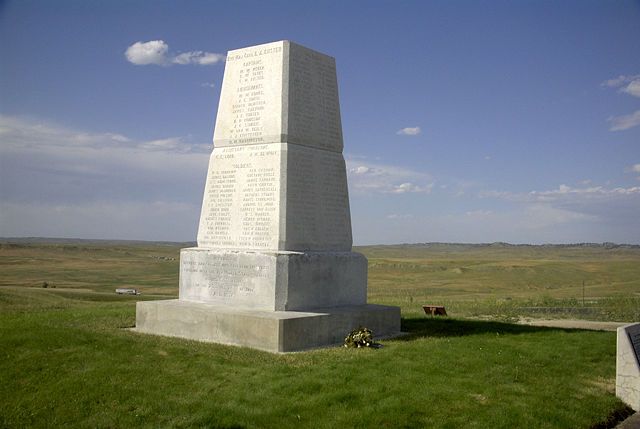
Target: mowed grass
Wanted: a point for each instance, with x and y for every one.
(68, 359)
(71, 362)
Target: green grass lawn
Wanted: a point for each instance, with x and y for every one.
(68, 359)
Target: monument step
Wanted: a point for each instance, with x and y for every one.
(273, 331)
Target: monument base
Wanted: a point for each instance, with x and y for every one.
(273, 331)
(273, 280)
(628, 365)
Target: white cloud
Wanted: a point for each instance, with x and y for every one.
(185, 58)
(197, 57)
(628, 85)
(170, 144)
(367, 178)
(561, 215)
(209, 58)
(118, 137)
(22, 134)
(409, 131)
(612, 207)
(624, 122)
(143, 53)
(532, 223)
(209, 85)
(399, 216)
(633, 169)
(410, 187)
(479, 213)
(562, 194)
(620, 80)
(157, 52)
(406, 187)
(633, 88)
(57, 181)
(612, 83)
(46, 162)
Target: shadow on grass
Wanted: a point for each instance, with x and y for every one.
(447, 327)
(615, 417)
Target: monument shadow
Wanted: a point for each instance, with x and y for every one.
(439, 327)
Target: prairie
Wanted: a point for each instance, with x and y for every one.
(70, 361)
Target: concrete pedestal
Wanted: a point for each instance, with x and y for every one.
(628, 365)
(273, 280)
(273, 331)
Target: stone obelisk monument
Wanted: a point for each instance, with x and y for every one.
(273, 269)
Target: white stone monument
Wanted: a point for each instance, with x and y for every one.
(628, 365)
(273, 269)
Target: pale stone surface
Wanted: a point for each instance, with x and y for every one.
(273, 281)
(275, 197)
(628, 365)
(273, 331)
(279, 92)
(277, 177)
(273, 268)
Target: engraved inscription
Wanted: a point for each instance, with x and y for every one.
(244, 205)
(250, 103)
(253, 53)
(255, 82)
(240, 208)
(227, 278)
(224, 276)
(251, 98)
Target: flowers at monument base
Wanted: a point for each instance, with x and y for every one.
(361, 337)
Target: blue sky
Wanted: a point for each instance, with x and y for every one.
(463, 121)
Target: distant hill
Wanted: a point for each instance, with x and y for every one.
(435, 247)
(44, 240)
(499, 250)
(496, 245)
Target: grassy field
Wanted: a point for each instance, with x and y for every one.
(95, 267)
(506, 282)
(498, 281)
(69, 361)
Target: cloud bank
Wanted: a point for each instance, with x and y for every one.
(562, 215)
(608, 208)
(157, 52)
(57, 182)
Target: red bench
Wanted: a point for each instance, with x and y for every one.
(434, 310)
